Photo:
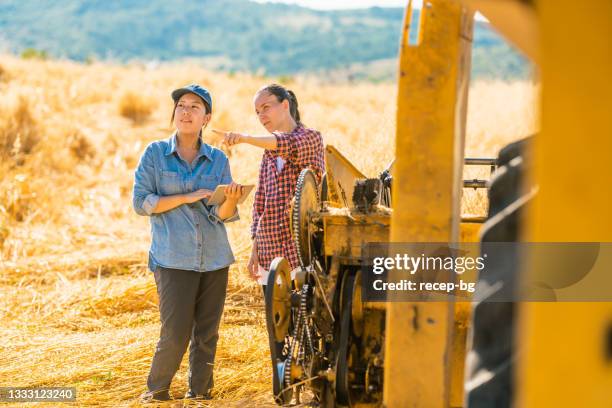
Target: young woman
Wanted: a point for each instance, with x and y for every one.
(190, 253)
(288, 149)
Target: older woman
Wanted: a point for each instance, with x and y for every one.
(190, 254)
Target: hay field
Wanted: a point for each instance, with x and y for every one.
(77, 305)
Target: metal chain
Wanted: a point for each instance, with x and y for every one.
(297, 343)
(288, 360)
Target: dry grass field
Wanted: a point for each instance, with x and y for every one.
(77, 305)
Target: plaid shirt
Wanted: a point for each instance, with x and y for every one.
(301, 148)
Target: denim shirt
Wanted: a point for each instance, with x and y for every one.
(190, 236)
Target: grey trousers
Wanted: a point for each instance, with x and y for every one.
(190, 307)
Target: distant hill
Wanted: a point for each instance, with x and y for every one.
(232, 35)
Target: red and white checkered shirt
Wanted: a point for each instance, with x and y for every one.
(300, 149)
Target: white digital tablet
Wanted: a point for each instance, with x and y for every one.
(218, 196)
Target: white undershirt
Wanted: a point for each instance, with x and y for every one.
(280, 163)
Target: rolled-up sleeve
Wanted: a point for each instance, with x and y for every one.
(213, 215)
(144, 195)
(304, 148)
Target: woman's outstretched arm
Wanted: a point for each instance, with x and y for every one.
(265, 142)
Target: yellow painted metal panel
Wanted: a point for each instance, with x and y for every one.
(564, 363)
(463, 314)
(341, 177)
(345, 234)
(515, 20)
(432, 89)
(469, 232)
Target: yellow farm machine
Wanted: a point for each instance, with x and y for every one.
(555, 186)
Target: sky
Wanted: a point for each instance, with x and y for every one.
(352, 4)
(341, 4)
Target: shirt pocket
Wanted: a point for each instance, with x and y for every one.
(170, 183)
(207, 181)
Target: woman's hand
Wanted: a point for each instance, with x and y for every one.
(233, 192)
(231, 138)
(196, 195)
(253, 265)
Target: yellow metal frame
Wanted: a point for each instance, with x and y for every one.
(421, 352)
(563, 344)
(562, 362)
(341, 177)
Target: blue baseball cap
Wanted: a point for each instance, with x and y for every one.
(194, 89)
